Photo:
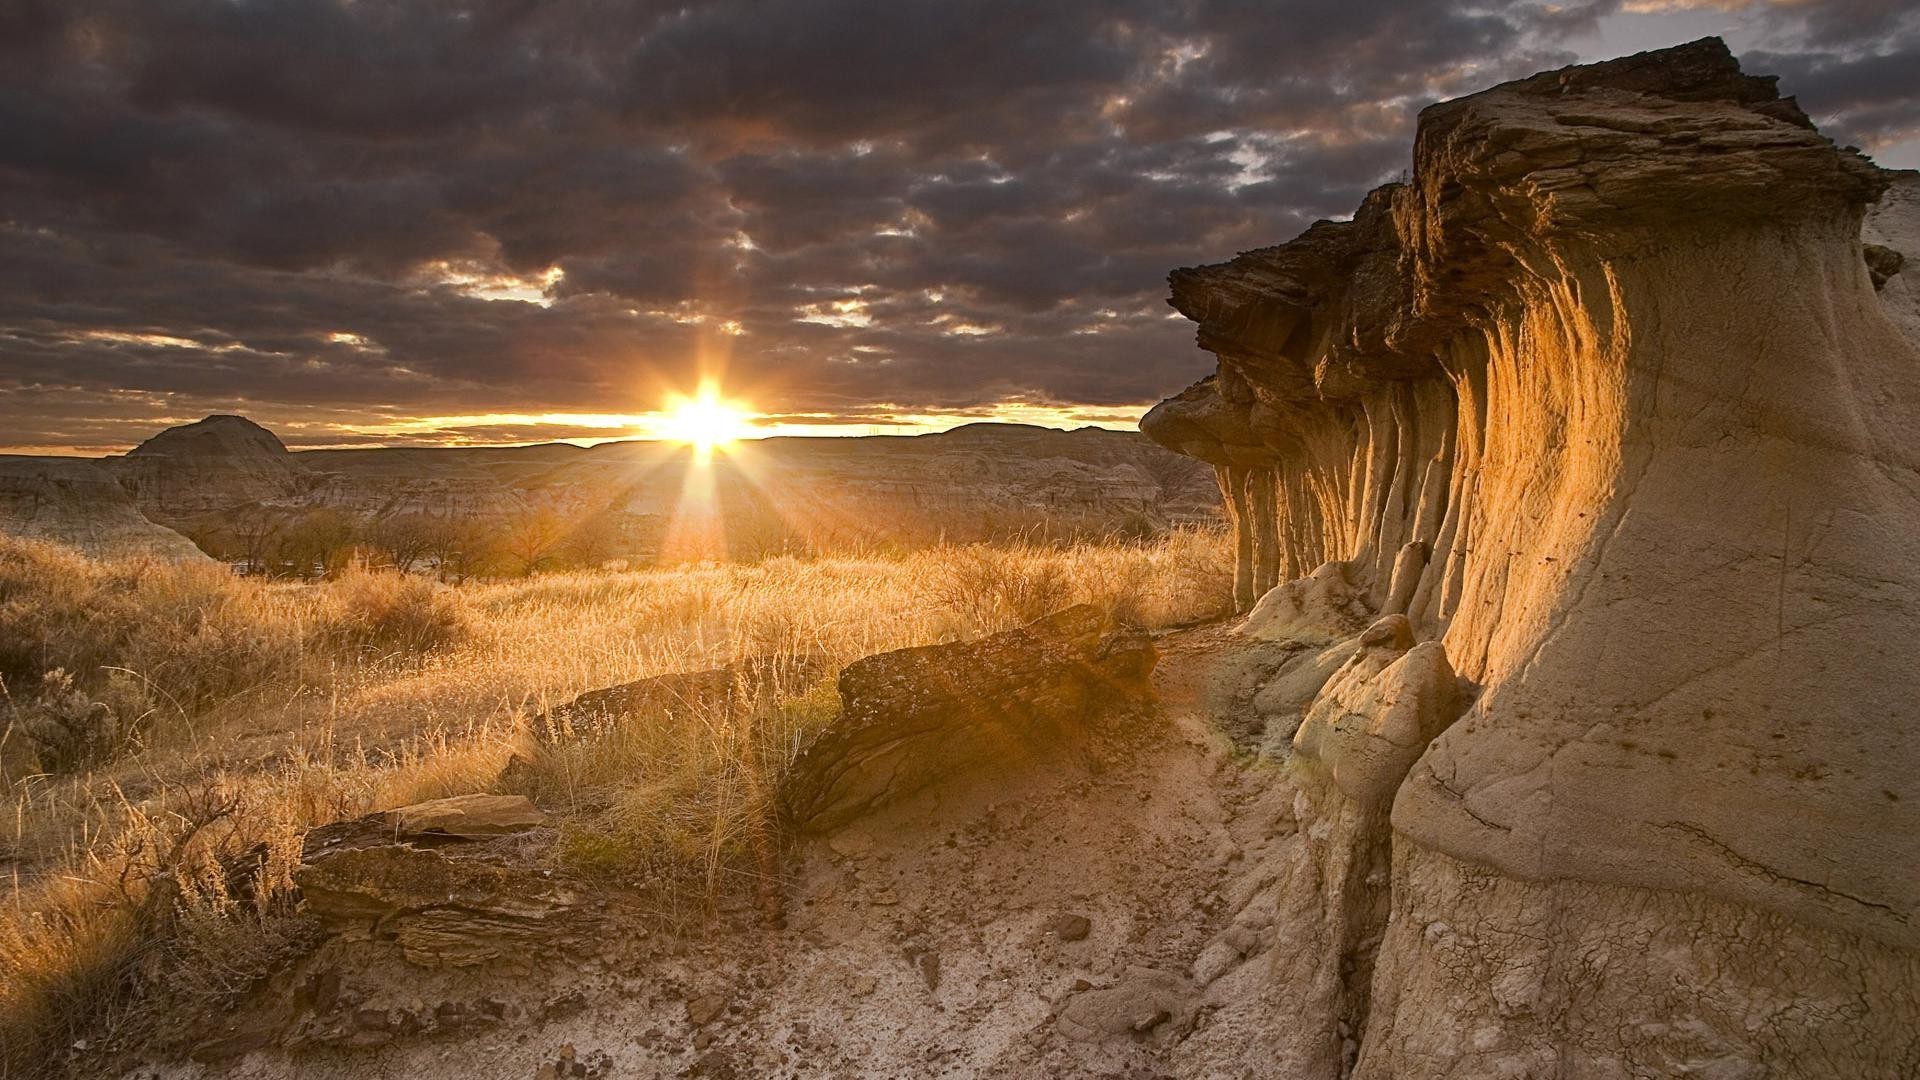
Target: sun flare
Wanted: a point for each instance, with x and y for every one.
(706, 421)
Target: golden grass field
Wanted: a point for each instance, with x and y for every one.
(161, 720)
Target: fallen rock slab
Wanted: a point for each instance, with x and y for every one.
(1144, 1002)
(914, 717)
(719, 691)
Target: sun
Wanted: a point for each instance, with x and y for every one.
(706, 421)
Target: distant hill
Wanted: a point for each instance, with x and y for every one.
(234, 487)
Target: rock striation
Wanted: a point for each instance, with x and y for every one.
(1612, 406)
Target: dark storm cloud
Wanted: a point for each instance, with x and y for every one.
(332, 214)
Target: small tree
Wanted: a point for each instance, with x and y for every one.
(320, 541)
(533, 540)
(459, 547)
(255, 531)
(591, 540)
(404, 539)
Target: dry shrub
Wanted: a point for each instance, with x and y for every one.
(988, 587)
(390, 612)
(1179, 577)
(168, 912)
(117, 643)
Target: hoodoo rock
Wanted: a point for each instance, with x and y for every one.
(1612, 405)
(916, 717)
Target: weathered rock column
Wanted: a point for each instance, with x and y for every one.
(1263, 509)
(1233, 492)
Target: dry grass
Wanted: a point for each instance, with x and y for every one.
(221, 717)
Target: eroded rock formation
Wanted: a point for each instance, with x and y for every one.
(1611, 403)
(208, 466)
(81, 504)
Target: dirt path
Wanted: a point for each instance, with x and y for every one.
(1065, 922)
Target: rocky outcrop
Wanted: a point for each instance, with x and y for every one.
(1605, 403)
(1891, 245)
(441, 910)
(79, 503)
(912, 718)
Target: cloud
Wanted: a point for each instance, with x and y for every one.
(339, 217)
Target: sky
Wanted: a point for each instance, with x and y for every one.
(372, 222)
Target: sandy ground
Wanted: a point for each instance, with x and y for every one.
(1090, 917)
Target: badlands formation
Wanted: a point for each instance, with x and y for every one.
(980, 481)
(1569, 731)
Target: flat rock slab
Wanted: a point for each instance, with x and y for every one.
(914, 717)
(471, 817)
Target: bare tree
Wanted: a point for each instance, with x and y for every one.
(459, 547)
(404, 539)
(320, 541)
(255, 530)
(532, 541)
(591, 539)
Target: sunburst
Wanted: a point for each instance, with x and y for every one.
(706, 421)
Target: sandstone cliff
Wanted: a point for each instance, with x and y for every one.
(1611, 403)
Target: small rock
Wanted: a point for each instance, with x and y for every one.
(851, 844)
(929, 965)
(705, 1009)
(864, 985)
(1072, 927)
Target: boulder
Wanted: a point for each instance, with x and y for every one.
(915, 717)
(1319, 609)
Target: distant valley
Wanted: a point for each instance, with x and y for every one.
(229, 488)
